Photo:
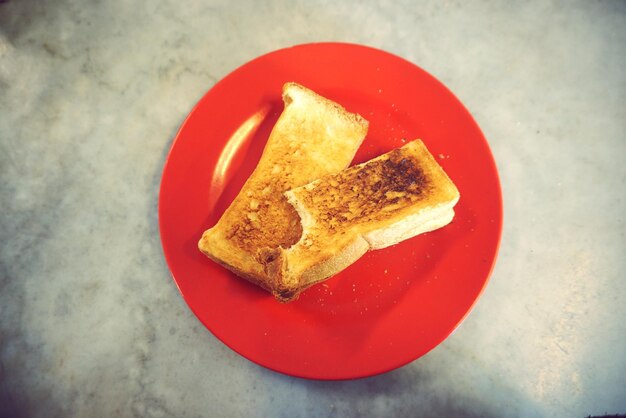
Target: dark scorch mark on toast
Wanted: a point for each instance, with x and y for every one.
(374, 190)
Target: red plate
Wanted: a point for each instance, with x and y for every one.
(393, 305)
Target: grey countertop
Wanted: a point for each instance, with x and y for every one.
(91, 96)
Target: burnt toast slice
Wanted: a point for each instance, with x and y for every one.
(388, 199)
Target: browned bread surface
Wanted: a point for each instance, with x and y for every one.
(312, 137)
(371, 205)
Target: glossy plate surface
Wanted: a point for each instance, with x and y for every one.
(393, 305)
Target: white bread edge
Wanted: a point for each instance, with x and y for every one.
(426, 220)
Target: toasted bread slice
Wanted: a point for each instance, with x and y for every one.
(372, 205)
(312, 137)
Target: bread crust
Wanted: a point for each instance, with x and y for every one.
(369, 206)
(313, 137)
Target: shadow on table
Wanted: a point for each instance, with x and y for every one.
(9, 405)
(408, 391)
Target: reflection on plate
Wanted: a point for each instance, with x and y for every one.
(393, 305)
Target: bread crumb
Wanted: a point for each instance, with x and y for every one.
(441, 156)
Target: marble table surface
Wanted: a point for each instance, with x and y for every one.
(91, 96)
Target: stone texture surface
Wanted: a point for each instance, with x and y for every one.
(91, 95)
